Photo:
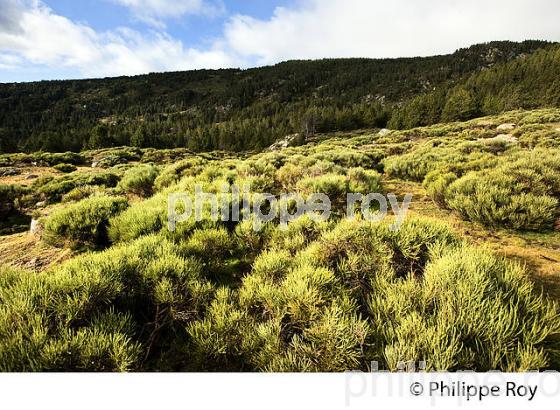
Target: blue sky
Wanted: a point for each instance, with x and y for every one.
(192, 30)
(58, 39)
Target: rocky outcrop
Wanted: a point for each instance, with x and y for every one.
(10, 172)
(287, 141)
(502, 137)
(506, 127)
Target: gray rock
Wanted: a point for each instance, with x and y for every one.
(287, 141)
(31, 176)
(502, 137)
(10, 172)
(506, 127)
(35, 226)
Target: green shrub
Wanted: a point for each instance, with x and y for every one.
(112, 157)
(102, 312)
(43, 327)
(65, 168)
(140, 219)
(288, 176)
(53, 159)
(52, 189)
(364, 181)
(173, 173)
(471, 311)
(139, 180)
(13, 201)
(297, 235)
(437, 185)
(83, 224)
(9, 198)
(82, 192)
(215, 249)
(523, 193)
(494, 199)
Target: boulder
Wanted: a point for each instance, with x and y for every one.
(502, 137)
(287, 141)
(35, 227)
(10, 172)
(506, 127)
(31, 176)
(505, 137)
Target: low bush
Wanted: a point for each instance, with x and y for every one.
(82, 192)
(65, 168)
(496, 199)
(139, 180)
(52, 189)
(143, 218)
(362, 292)
(471, 311)
(173, 173)
(336, 187)
(523, 193)
(83, 224)
(9, 198)
(112, 157)
(13, 201)
(102, 312)
(53, 159)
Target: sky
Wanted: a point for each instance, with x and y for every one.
(62, 39)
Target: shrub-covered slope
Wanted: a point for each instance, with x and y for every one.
(317, 296)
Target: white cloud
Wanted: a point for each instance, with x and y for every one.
(381, 28)
(155, 11)
(31, 34)
(50, 40)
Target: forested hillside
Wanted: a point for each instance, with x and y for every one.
(530, 82)
(249, 109)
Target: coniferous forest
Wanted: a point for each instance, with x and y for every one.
(248, 110)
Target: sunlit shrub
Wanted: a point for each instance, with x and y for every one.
(139, 180)
(81, 192)
(65, 168)
(521, 194)
(101, 312)
(83, 224)
(149, 216)
(52, 189)
(173, 173)
(471, 311)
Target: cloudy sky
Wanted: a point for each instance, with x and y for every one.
(57, 39)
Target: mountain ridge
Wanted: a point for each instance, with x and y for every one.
(232, 109)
